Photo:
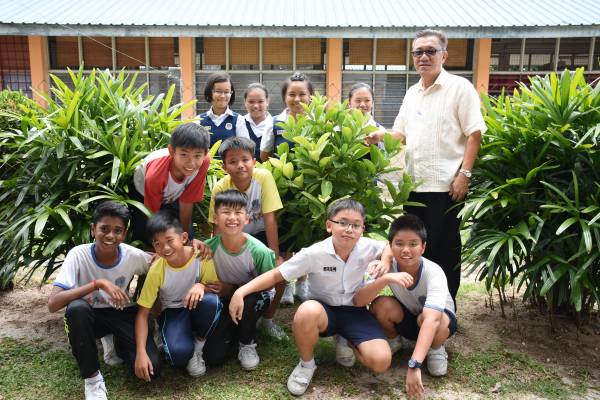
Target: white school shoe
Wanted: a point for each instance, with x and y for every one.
(437, 361)
(344, 355)
(271, 329)
(110, 353)
(196, 366)
(302, 290)
(395, 344)
(299, 379)
(248, 356)
(96, 390)
(288, 295)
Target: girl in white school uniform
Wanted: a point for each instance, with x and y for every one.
(258, 121)
(220, 119)
(361, 98)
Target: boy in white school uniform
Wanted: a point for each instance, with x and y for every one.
(335, 267)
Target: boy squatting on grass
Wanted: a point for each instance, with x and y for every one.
(421, 309)
(258, 184)
(172, 178)
(188, 314)
(336, 267)
(92, 284)
(238, 258)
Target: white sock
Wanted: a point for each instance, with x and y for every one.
(308, 364)
(95, 379)
(199, 345)
(267, 322)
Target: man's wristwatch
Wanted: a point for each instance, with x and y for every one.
(465, 172)
(412, 364)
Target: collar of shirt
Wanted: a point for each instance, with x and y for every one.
(214, 116)
(330, 249)
(260, 124)
(283, 116)
(439, 81)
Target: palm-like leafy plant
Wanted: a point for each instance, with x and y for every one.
(534, 208)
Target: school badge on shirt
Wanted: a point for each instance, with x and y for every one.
(228, 126)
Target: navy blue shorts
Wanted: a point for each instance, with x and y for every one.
(409, 328)
(355, 324)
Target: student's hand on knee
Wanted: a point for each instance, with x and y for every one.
(414, 384)
(219, 288)
(193, 296)
(236, 307)
(401, 278)
(118, 298)
(204, 251)
(143, 367)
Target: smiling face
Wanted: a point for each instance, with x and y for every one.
(257, 104)
(109, 232)
(407, 248)
(221, 94)
(230, 219)
(346, 227)
(239, 164)
(429, 66)
(170, 245)
(362, 100)
(185, 161)
(297, 93)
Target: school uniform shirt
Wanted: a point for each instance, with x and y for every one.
(171, 284)
(273, 138)
(239, 268)
(263, 198)
(257, 131)
(153, 180)
(430, 290)
(330, 279)
(81, 267)
(437, 122)
(223, 126)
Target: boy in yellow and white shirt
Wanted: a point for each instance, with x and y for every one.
(188, 315)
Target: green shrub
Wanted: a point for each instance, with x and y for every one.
(82, 149)
(330, 161)
(534, 207)
(10, 109)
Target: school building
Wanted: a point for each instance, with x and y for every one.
(335, 42)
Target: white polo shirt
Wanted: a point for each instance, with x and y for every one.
(330, 279)
(436, 123)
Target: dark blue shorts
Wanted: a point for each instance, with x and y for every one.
(409, 328)
(355, 324)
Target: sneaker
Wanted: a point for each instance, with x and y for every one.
(288, 295)
(302, 290)
(437, 361)
(196, 366)
(110, 354)
(272, 329)
(299, 379)
(95, 391)
(248, 356)
(395, 344)
(344, 355)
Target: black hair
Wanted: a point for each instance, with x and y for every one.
(231, 198)
(360, 85)
(111, 209)
(236, 143)
(408, 222)
(296, 77)
(218, 77)
(162, 221)
(190, 136)
(256, 85)
(345, 204)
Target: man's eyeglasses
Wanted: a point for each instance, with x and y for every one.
(222, 93)
(345, 225)
(429, 52)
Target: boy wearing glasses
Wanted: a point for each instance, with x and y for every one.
(336, 268)
(421, 308)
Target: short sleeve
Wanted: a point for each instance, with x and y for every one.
(400, 121)
(195, 191)
(69, 270)
(437, 291)
(208, 272)
(240, 127)
(297, 266)
(152, 284)
(264, 258)
(270, 195)
(219, 187)
(267, 141)
(469, 111)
